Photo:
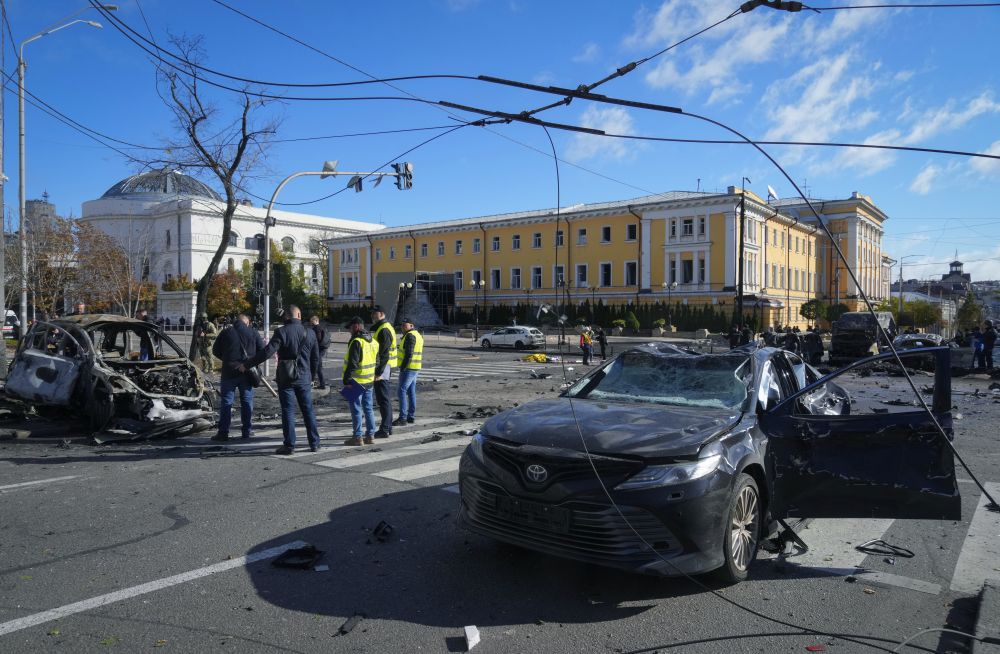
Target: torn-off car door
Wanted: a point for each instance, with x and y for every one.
(879, 465)
(47, 366)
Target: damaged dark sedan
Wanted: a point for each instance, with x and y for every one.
(124, 376)
(671, 462)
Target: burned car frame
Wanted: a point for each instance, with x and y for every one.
(127, 378)
(671, 462)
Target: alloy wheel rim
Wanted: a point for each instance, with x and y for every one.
(743, 533)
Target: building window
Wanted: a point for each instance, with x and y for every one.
(233, 237)
(559, 238)
(605, 274)
(496, 244)
(515, 242)
(515, 278)
(459, 281)
(392, 251)
(440, 248)
(536, 240)
(701, 227)
(477, 276)
(302, 271)
(558, 276)
(581, 236)
(701, 270)
(631, 273)
(631, 232)
(782, 240)
(581, 275)
(495, 279)
(423, 249)
(606, 234)
(168, 238)
(287, 244)
(476, 246)
(231, 265)
(688, 227)
(378, 254)
(536, 277)
(407, 251)
(314, 276)
(673, 229)
(313, 246)
(687, 271)
(458, 247)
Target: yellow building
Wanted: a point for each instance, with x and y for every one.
(681, 247)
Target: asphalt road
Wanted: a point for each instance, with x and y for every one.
(140, 547)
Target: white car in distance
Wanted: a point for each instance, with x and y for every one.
(518, 337)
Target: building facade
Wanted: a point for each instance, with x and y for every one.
(172, 224)
(678, 247)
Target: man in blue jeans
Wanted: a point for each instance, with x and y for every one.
(234, 347)
(359, 381)
(294, 343)
(410, 360)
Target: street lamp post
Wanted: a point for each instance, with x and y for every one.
(476, 285)
(404, 288)
(669, 288)
(21, 66)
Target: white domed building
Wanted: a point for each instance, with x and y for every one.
(173, 224)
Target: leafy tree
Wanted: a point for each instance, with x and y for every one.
(970, 314)
(834, 313)
(631, 321)
(179, 283)
(923, 313)
(813, 310)
(227, 295)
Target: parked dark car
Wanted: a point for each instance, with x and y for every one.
(667, 461)
(115, 371)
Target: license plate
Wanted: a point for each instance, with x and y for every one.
(523, 512)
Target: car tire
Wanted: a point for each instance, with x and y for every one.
(486, 343)
(742, 530)
(518, 345)
(100, 409)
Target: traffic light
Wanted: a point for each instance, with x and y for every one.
(399, 175)
(259, 239)
(276, 275)
(404, 175)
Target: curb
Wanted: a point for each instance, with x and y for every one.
(988, 619)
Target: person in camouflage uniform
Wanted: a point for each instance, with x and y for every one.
(204, 335)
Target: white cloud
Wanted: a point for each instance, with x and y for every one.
(589, 53)
(946, 118)
(987, 167)
(903, 75)
(613, 120)
(924, 181)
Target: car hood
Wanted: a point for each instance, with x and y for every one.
(645, 431)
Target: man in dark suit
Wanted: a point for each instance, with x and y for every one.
(294, 342)
(234, 347)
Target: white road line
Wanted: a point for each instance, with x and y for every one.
(327, 448)
(376, 457)
(979, 559)
(36, 482)
(451, 488)
(142, 589)
(409, 473)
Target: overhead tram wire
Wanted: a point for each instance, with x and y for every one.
(936, 5)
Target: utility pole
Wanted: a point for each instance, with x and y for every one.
(742, 252)
(3, 233)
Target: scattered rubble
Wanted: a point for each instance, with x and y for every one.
(303, 558)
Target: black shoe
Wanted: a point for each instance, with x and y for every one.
(399, 422)
(382, 434)
(220, 437)
(314, 448)
(410, 421)
(247, 436)
(284, 450)
(321, 387)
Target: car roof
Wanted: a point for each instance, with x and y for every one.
(91, 319)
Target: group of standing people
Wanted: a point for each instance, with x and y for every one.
(588, 337)
(982, 341)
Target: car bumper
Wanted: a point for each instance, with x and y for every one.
(665, 531)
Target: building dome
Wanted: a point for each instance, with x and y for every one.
(161, 182)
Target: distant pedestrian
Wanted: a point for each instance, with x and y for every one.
(587, 345)
(204, 334)
(791, 340)
(359, 370)
(323, 341)
(812, 346)
(79, 309)
(182, 321)
(977, 349)
(770, 338)
(298, 356)
(410, 360)
(385, 337)
(989, 340)
(166, 323)
(746, 335)
(734, 336)
(602, 340)
(235, 346)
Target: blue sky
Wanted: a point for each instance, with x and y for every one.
(916, 77)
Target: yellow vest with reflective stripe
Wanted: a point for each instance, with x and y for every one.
(365, 372)
(418, 351)
(392, 347)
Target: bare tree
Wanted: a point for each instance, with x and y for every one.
(228, 151)
(112, 272)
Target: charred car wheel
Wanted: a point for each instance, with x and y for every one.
(739, 545)
(101, 408)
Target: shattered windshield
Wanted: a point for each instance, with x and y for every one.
(697, 381)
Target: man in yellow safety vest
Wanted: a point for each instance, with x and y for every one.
(410, 359)
(359, 377)
(385, 338)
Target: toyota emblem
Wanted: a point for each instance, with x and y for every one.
(537, 473)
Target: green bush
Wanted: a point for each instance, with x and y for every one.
(631, 321)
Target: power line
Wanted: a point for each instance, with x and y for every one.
(962, 5)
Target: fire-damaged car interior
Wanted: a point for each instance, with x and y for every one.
(670, 462)
(124, 375)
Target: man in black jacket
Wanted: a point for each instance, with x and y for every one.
(323, 341)
(385, 336)
(294, 342)
(989, 341)
(234, 347)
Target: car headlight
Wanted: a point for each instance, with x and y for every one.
(476, 446)
(670, 474)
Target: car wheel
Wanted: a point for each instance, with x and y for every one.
(739, 545)
(486, 343)
(518, 345)
(100, 409)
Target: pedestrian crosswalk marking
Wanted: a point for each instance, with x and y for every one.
(979, 559)
(402, 452)
(410, 473)
(395, 438)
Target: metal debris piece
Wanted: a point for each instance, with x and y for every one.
(351, 623)
(431, 439)
(471, 637)
(382, 531)
(303, 558)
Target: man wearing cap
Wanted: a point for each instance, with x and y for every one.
(385, 336)
(410, 360)
(359, 368)
(298, 358)
(204, 334)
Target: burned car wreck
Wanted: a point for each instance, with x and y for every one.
(124, 376)
(670, 462)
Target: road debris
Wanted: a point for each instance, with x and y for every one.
(471, 637)
(351, 623)
(303, 558)
(382, 531)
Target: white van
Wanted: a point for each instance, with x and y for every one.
(11, 325)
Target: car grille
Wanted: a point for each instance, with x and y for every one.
(592, 530)
(515, 459)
